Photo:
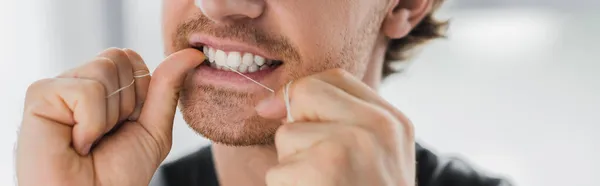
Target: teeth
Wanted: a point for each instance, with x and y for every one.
(234, 59)
(248, 59)
(211, 55)
(220, 58)
(259, 60)
(243, 68)
(253, 68)
(246, 63)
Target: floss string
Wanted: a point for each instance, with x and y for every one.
(256, 82)
(286, 96)
(130, 84)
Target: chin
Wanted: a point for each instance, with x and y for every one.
(218, 103)
(225, 116)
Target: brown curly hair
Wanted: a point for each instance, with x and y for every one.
(428, 29)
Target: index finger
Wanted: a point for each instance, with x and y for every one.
(313, 100)
(142, 81)
(353, 86)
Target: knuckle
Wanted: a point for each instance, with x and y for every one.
(385, 125)
(132, 52)
(116, 52)
(104, 67)
(162, 77)
(92, 87)
(134, 56)
(302, 85)
(304, 88)
(338, 72)
(85, 89)
(34, 94)
(383, 119)
(37, 85)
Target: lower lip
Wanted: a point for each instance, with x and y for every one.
(206, 75)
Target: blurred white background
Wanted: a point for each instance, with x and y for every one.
(514, 89)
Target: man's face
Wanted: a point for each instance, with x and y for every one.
(297, 38)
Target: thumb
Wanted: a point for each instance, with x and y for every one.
(159, 108)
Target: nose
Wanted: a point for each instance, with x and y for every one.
(231, 10)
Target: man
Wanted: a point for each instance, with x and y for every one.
(109, 123)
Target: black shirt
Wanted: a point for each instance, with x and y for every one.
(197, 169)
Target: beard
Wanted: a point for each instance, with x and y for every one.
(225, 116)
(228, 116)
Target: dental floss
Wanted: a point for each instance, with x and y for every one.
(234, 70)
(125, 87)
(121, 89)
(286, 95)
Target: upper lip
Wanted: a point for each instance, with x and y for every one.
(227, 45)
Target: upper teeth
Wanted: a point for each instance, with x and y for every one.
(243, 62)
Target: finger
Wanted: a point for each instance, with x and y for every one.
(297, 137)
(54, 105)
(335, 138)
(142, 78)
(337, 96)
(286, 174)
(353, 86)
(163, 93)
(104, 71)
(313, 100)
(125, 76)
(306, 168)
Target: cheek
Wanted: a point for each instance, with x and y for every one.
(321, 30)
(174, 12)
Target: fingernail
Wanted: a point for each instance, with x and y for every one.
(265, 103)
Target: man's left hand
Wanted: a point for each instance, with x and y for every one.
(343, 134)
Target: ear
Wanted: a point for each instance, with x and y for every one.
(403, 16)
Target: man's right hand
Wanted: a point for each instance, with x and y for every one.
(73, 134)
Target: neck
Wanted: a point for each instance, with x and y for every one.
(374, 70)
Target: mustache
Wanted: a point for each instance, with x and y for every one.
(242, 31)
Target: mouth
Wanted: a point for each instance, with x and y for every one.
(229, 64)
(243, 62)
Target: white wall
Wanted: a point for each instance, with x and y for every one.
(516, 91)
(39, 39)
